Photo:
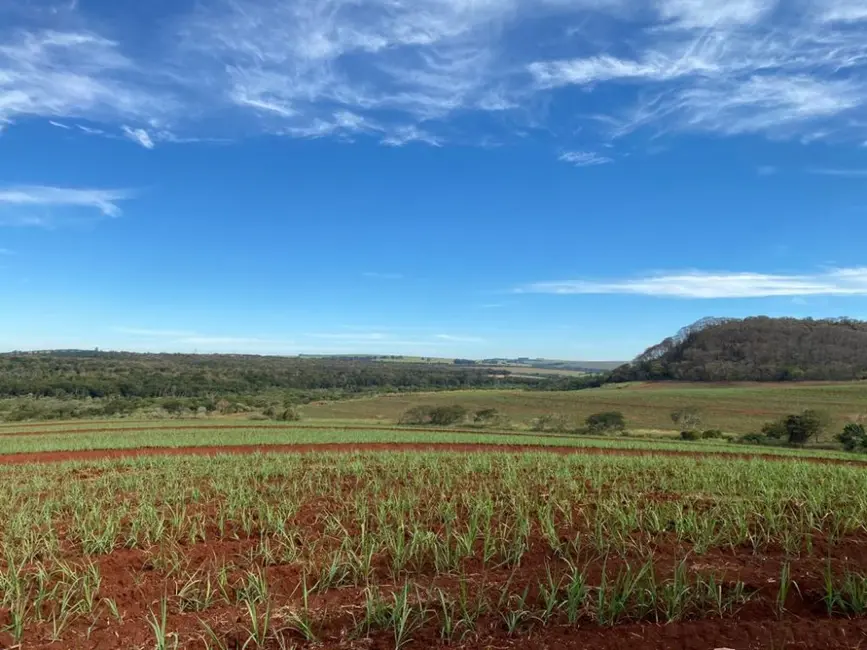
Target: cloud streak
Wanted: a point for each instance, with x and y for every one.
(414, 72)
(584, 158)
(27, 197)
(702, 285)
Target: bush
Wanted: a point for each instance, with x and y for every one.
(775, 430)
(491, 418)
(289, 414)
(688, 419)
(552, 423)
(606, 421)
(709, 434)
(440, 416)
(798, 429)
(853, 437)
(416, 415)
(690, 435)
(443, 416)
(754, 439)
(484, 416)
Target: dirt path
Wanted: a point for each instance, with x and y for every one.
(108, 454)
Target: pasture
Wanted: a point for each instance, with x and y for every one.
(735, 408)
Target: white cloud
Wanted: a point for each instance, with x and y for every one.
(444, 71)
(140, 136)
(402, 135)
(25, 197)
(697, 284)
(51, 73)
(59, 125)
(843, 11)
(584, 158)
(714, 13)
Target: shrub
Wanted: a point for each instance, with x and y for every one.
(776, 429)
(484, 416)
(289, 414)
(690, 435)
(491, 418)
(711, 434)
(688, 418)
(853, 437)
(798, 429)
(754, 439)
(436, 415)
(606, 421)
(445, 415)
(416, 415)
(552, 423)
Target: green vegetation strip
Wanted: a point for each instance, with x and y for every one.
(176, 438)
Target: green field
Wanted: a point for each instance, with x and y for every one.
(160, 434)
(430, 550)
(736, 408)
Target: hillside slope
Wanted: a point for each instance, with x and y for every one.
(756, 349)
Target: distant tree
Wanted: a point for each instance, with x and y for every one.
(289, 414)
(447, 415)
(690, 434)
(711, 434)
(606, 421)
(802, 428)
(853, 437)
(776, 429)
(756, 349)
(416, 415)
(688, 418)
(819, 420)
(552, 423)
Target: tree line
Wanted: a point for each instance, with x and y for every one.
(83, 374)
(755, 349)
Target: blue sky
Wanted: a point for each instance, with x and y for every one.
(571, 179)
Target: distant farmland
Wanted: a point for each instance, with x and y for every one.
(734, 408)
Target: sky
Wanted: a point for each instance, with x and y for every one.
(570, 179)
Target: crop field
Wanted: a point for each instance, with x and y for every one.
(422, 545)
(34, 442)
(734, 408)
(425, 549)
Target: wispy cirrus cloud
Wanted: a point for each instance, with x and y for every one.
(584, 158)
(140, 136)
(18, 203)
(705, 285)
(415, 72)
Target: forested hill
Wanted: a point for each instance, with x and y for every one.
(756, 349)
(75, 373)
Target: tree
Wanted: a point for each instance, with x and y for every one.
(688, 418)
(606, 421)
(801, 428)
(819, 420)
(552, 422)
(416, 415)
(776, 429)
(446, 415)
(853, 437)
